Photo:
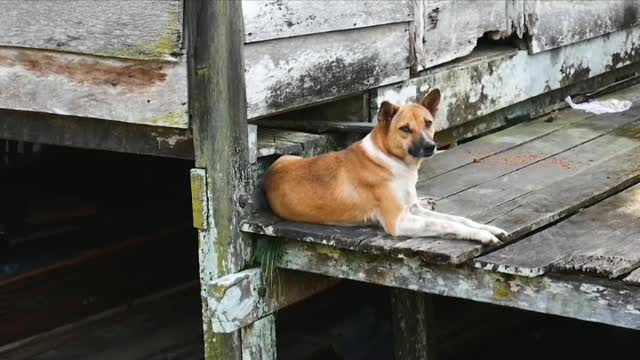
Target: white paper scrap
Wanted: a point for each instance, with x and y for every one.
(600, 107)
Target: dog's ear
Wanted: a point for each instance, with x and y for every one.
(431, 101)
(387, 112)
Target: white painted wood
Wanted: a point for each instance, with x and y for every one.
(259, 340)
(445, 30)
(141, 29)
(553, 24)
(239, 299)
(492, 79)
(275, 19)
(294, 72)
(152, 93)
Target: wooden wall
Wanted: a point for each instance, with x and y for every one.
(124, 60)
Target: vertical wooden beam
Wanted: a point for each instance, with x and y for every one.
(412, 314)
(259, 340)
(217, 105)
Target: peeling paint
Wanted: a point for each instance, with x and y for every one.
(491, 80)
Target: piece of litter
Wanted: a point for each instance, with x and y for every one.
(600, 107)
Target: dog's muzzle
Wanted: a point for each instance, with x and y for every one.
(423, 148)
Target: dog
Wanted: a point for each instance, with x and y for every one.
(373, 181)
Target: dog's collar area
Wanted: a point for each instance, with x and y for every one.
(396, 166)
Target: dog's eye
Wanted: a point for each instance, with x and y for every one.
(406, 129)
(428, 123)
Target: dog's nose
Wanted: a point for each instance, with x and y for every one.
(429, 148)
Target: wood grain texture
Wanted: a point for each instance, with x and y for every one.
(273, 19)
(149, 92)
(579, 297)
(512, 137)
(603, 239)
(493, 78)
(447, 30)
(509, 162)
(294, 72)
(217, 101)
(239, 299)
(91, 133)
(144, 29)
(633, 278)
(554, 24)
(259, 340)
(413, 325)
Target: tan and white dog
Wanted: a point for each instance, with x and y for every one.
(373, 181)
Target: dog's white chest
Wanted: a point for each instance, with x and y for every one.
(404, 188)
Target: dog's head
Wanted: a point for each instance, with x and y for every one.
(408, 130)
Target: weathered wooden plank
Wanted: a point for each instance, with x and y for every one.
(552, 24)
(493, 167)
(633, 278)
(239, 299)
(491, 79)
(478, 200)
(549, 204)
(371, 240)
(217, 100)
(413, 325)
(143, 29)
(144, 328)
(293, 72)
(90, 133)
(603, 239)
(282, 142)
(511, 137)
(259, 340)
(580, 297)
(436, 43)
(318, 127)
(149, 93)
(274, 19)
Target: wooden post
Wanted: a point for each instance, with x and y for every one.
(217, 102)
(413, 326)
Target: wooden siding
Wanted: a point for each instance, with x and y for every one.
(446, 30)
(276, 19)
(149, 92)
(552, 24)
(490, 80)
(294, 72)
(141, 29)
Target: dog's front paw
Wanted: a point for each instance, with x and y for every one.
(485, 237)
(428, 203)
(496, 231)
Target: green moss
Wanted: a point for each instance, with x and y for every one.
(501, 289)
(161, 48)
(203, 72)
(178, 120)
(198, 192)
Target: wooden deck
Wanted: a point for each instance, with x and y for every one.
(564, 187)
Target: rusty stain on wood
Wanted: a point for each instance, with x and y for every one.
(130, 75)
